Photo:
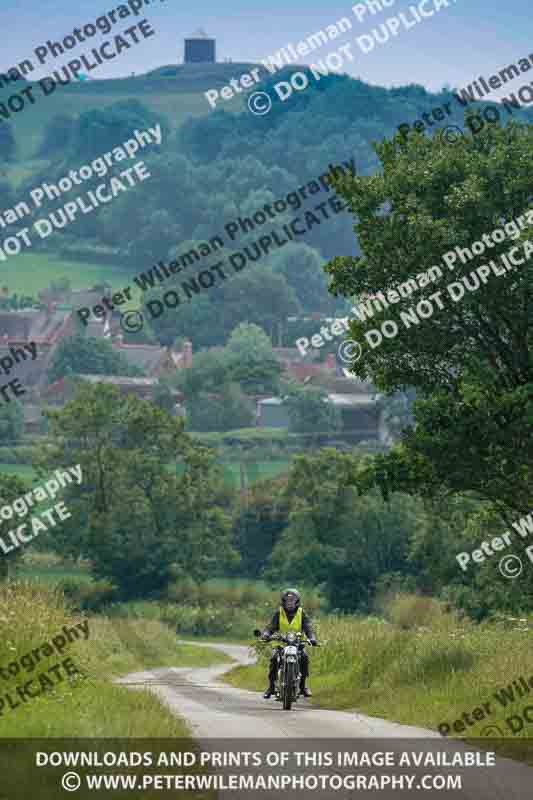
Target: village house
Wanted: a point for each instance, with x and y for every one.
(358, 402)
(44, 327)
(63, 390)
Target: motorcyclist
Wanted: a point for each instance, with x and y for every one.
(289, 617)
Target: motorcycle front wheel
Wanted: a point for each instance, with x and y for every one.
(288, 686)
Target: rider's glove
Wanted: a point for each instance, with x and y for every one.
(265, 637)
(314, 642)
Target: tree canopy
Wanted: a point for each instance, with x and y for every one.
(471, 363)
(84, 355)
(336, 538)
(139, 522)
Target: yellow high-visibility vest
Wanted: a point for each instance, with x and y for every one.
(295, 625)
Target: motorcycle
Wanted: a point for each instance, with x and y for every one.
(288, 681)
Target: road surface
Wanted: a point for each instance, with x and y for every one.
(216, 711)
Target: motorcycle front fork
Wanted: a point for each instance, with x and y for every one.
(279, 683)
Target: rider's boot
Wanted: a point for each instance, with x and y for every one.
(270, 691)
(304, 690)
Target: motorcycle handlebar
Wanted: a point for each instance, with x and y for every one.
(277, 637)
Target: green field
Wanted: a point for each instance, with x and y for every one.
(51, 575)
(175, 97)
(29, 272)
(54, 574)
(255, 471)
(24, 471)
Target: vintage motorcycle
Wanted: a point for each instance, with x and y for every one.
(288, 680)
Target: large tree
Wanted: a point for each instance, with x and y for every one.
(228, 410)
(139, 522)
(336, 538)
(251, 360)
(471, 363)
(216, 384)
(310, 411)
(98, 130)
(257, 295)
(258, 524)
(301, 266)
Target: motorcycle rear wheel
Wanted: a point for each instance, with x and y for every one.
(288, 686)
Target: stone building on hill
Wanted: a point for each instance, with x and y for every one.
(199, 48)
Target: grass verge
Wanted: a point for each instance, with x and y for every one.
(426, 672)
(93, 706)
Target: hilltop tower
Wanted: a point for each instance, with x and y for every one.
(200, 48)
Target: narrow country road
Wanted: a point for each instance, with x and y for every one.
(216, 711)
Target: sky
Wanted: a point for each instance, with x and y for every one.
(453, 47)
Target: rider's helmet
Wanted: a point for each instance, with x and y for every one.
(290, 599)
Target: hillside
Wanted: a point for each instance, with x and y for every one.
(175, 91)
(211, 168)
